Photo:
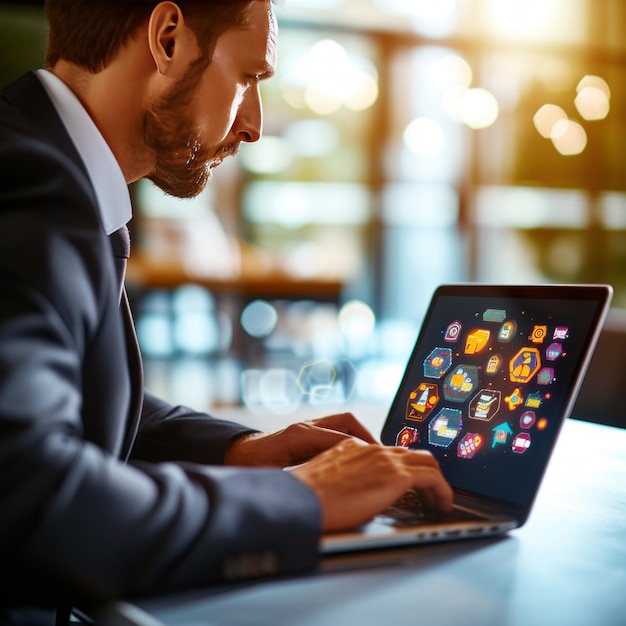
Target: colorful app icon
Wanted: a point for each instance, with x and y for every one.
(445, 427)
(539, 333)
(546, 376)
(469, 445)
(460, 383)
(421, 401)
(494, 315)
(485, 404)
(437, 363)
(554, 351)
(521, 443)
(527, 420)
(507, 331)
(493, 364)
(534, 400)
(501, 433)
(476, 341)
(453, 332)
(515, 399)
(560, 333)
(407, 436)
(524, 365)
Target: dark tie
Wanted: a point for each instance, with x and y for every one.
(120, 244)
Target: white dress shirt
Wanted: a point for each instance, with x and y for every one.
(104, 171)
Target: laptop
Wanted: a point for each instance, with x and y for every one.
(493, 375)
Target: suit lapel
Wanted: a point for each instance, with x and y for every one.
(29, 97)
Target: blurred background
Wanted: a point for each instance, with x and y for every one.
(407, 143)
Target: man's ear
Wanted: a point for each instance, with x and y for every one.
(166, 34)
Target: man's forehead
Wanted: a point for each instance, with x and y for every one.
(252, 44)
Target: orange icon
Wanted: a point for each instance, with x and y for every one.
(476, 340)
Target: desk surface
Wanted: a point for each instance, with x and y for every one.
(567, 565)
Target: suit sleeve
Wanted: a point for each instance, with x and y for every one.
(168, 433)
(75, 521)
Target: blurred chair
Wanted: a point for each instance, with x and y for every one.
(602, 398)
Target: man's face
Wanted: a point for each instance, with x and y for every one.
(213, 108)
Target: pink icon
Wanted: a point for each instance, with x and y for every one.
(521, 443)
(453, 332)
(527, 419)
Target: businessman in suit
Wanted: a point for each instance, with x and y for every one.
(105, 490)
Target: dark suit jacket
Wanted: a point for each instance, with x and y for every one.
(104, 489)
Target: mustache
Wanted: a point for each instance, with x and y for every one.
(230, 149)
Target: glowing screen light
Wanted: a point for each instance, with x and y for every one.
(424, 137)
(569, 137)
(478, 108)
(546, 117)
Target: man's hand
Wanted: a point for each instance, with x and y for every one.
(297, 443)
(355, 481)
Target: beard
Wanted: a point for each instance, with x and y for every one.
(182, 163)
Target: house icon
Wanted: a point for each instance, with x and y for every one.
(501, 433)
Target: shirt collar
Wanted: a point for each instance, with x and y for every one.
(104, 171)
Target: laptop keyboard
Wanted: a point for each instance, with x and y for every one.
(409, 510)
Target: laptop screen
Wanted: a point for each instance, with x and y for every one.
(493, 374)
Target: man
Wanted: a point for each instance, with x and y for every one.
(105, 490)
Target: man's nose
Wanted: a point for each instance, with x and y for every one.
(249, 122)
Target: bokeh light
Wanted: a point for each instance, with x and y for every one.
(424, 137)
(478, 108)
(569, 137)
(593, 97)
(259, 318)
(451, 102)
(451, 71)
(546, 117)
(594, 81)
(356, 320)
(325, 78)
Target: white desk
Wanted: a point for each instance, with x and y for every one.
(565, 567)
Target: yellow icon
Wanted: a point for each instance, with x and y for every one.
(476, 341)
(539, 334)
(494, 364)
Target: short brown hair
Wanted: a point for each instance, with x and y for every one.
(90, 33)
